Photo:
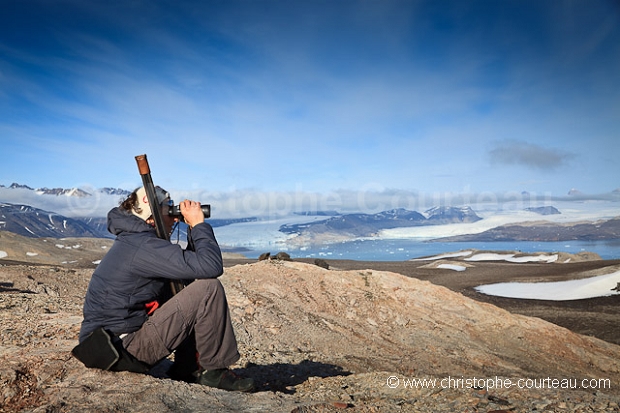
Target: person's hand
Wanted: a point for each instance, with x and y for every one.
(192, 213)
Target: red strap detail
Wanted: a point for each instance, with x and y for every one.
(151, 307)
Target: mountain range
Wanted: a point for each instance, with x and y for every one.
(76, 192)
(545, 231)
(365, 225)
(29, 221)
(37, 223)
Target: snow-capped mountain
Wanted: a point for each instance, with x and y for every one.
(37, 223)
(115, 191)
(450, 215)
(364, 225)
(75, 192)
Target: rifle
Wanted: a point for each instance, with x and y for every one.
(147, 182)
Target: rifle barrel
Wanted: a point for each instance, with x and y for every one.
(160, 227)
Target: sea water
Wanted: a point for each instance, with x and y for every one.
(406, 249)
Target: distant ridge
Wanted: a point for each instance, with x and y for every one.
(36, 223)
(545, 231)
(62, 191)
(75, 192)
(365, 225)
(544, 210)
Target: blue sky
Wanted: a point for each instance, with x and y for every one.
(316, 96)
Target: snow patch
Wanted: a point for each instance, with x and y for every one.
(511, 258)
(452, 267)
(442, 256)
(3, 254)
(592, 287)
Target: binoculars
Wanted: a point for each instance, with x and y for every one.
(175, 211)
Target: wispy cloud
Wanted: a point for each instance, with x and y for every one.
(514, 152)
(274, 204)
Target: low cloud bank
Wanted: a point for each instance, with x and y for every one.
(245, 203)
(275, 204)
(96, 205)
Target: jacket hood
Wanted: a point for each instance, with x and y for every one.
(120, 221)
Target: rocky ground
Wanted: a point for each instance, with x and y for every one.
(596, 317)
(355, 337)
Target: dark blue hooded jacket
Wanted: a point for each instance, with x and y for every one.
(138, 267)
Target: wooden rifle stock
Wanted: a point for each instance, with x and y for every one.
(160, 227)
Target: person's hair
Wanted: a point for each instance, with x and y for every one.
(130, 203)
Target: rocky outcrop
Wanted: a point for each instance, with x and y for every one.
(386, 321)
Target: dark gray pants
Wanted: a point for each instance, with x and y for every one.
(201, 308)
